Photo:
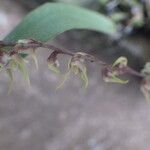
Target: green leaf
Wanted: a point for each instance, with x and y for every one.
(51, 19)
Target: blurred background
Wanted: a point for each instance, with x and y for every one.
(101, 117)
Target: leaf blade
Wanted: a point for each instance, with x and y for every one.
(51, 19)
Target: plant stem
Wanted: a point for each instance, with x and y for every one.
(33, 44)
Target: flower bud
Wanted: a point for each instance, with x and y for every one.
(53, 63)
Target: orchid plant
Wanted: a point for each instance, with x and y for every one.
(47, 22)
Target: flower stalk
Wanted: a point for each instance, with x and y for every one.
(13, 54)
